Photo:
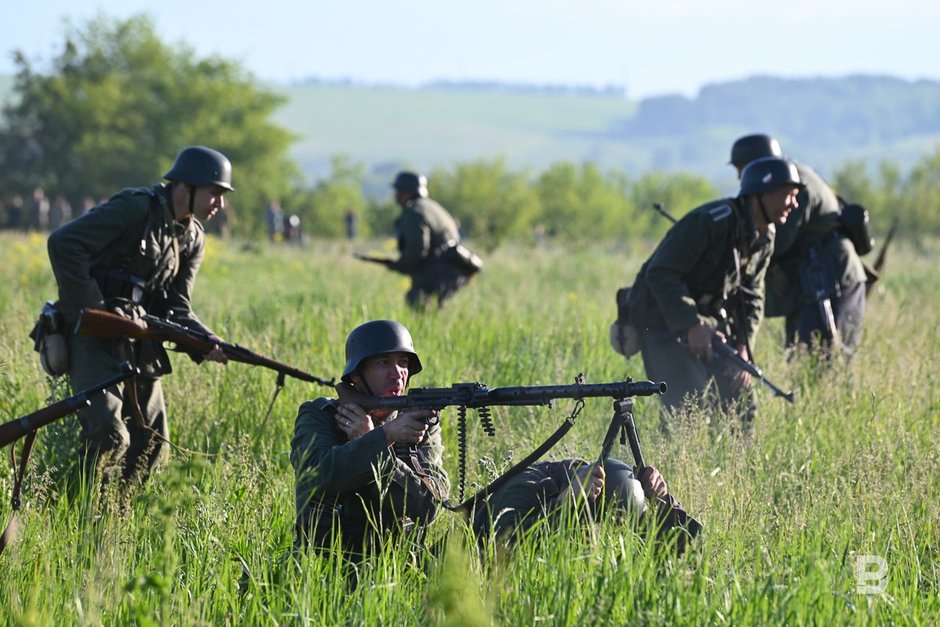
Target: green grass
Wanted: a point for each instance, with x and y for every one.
(853, 468)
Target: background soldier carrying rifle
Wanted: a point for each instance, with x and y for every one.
(137, 253)
(429, 244)
(705, 282)
(816, 277)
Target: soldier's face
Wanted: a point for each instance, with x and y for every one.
(780, 203)
(210, 199)
(386, 375)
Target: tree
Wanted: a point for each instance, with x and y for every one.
(491, 202)
(117, 105)
(323, 207)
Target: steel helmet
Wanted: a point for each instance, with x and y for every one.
(751, 147)
(412, 182)
(379, 337)
(198, 166)
(767, 174)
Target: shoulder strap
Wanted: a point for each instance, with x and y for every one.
(18, 475)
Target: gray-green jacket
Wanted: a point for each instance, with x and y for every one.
(424, 228)
(357, 479)
(693, 271)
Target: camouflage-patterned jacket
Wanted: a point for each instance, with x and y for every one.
(132, 234)
(693, 272)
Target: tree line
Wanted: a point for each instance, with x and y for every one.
(117, 103)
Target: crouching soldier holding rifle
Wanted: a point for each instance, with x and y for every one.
(136, 254)
(711, 261)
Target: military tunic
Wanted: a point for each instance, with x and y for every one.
(359, 491)
(542, 490)
(425, 230)
(714, 256)
(815, 225)
(127, 255)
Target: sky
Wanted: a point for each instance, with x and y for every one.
(649, 47)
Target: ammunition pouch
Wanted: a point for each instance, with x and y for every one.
(624, 338)
(49, 340)
(117, 283)
(853, 222)
(461, 257)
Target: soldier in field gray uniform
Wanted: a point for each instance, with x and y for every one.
(705, 281)
(812, 232)
(137, 253)
(427, 237)
(365, 477)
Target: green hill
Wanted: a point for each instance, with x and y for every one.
(822, 121)
(825, 122)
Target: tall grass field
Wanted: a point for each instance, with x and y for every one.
(828, 514)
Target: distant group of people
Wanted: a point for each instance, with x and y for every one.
(367, 476)
(37, 213)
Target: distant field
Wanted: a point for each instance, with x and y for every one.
(430, 128)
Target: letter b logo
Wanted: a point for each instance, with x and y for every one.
(871, 574)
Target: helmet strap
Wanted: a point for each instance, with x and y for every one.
(192, 198)
(763, 209)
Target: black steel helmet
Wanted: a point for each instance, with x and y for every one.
(198, 166)
(751, 147)
(379, 337)
(767, 174)
(412, 182)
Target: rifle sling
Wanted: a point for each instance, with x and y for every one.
(470, 504)
(18, 475)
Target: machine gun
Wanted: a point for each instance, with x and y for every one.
(670, 513)
(480, 397)
(28, 425)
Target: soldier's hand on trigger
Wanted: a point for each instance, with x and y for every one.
(699, 338)
(408, 427)
(653, 482)
(217, 355)
(742, 378)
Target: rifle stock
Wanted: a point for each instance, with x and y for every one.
(476, 395)
(100, 323)
(15, 429)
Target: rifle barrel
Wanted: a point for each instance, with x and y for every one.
(15, 429)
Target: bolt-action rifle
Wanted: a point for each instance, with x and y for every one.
(28, 425)
(725, 351)
(820, 287)
(384, 261)
(100, 323)
(15, 429)
(658, 208)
